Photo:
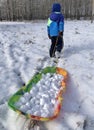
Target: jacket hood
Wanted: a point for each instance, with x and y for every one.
(57, 17)
(56, 7)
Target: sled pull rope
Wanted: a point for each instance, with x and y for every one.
(33, 125)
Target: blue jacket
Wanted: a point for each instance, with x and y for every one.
(55, 21)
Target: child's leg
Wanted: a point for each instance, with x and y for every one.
(53, 46)
(60, 44)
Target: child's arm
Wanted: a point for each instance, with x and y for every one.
(61, 26)
(48, 28)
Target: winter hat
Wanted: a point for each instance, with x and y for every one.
(56, 7)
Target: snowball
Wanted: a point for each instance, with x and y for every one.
(60, 77)
(38, 97)
(42, 89)
(18, 104)
(28, 105)
(23, 108)
(32, 101)
(46, 106)
(51, 96)
(48, 75)
(45, 95)
(34, 90)
(44, 115)
(31, 92)
(27, 96)
(42, 101)
(39, 94)
(37, 102)
(55, 77)
(37, 106)
(28, 111)
(22, 100)
(53, 101)
(37, 113)
(38, 85)
(46, 82)
(46, 99)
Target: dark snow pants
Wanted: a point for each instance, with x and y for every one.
(56, 45)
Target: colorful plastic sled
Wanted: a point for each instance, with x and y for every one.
(28, 87)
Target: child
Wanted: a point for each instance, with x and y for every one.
(55, 28)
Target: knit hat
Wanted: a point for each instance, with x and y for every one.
(56, 7)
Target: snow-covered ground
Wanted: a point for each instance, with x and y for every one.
(22, 47)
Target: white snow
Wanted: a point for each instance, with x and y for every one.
(23, 46)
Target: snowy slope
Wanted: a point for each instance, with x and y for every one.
(24, 45)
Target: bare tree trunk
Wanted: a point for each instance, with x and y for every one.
(92, 17)
(30, 10)
(8, 10)
(0, 15)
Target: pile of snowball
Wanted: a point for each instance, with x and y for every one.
(41, 99)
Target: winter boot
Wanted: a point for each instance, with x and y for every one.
(58, 54)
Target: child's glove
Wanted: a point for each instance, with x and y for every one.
(60, 34)
(49, 36)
